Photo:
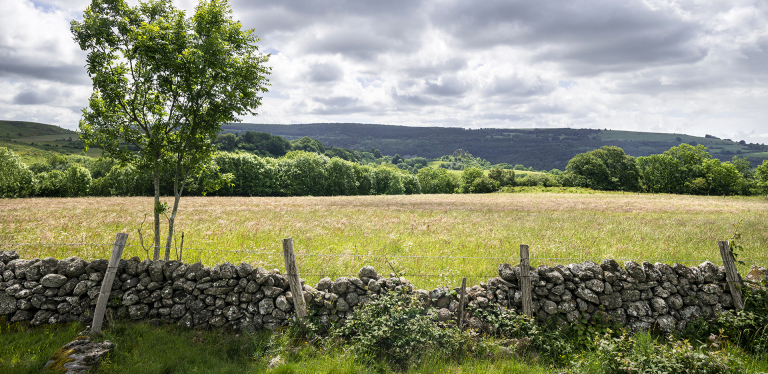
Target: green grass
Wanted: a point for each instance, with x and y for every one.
(30, 154)
(142, 348)
(444, 237)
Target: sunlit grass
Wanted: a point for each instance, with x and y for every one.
(476, 232)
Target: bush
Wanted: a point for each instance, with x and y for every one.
(641, 353)
(52, 184)
(396, 329)
(746, 328)
(16, 180)
(544, 339)
(77, 181)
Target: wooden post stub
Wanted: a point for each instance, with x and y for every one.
(462, 296)
(731, 274)
(525, 281)
(292, 272)
(106, 284)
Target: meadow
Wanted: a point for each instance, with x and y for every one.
(432, 239)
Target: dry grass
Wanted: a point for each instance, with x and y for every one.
(570, 227)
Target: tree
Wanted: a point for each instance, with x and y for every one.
(16, 180)
(341, 178)
(659, 173)
(503, 177)
(722, 177)
(436, 181)
(77, 181)
(762, 176)
(607, 168)
(308, 144)
(689, 166)
(472, 181)
(303, 173)
(164, 84)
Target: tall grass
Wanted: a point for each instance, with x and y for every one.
(407, 233)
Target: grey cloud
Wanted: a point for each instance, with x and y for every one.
(31, 97)
(290, 15)
(413, 100)
(505, 117)
(518, 87)
(448, 86)
(325, 72)
(72, 74)
(361, 44)
(610, 34)
(339, 105)
(357, 29)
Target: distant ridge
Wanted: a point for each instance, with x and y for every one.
(23, 129)
(542, 149)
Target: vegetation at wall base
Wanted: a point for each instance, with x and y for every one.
(392, 334)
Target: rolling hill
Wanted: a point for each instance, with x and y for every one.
(34, 142)
(542, 149)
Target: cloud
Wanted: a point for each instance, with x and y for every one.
(324, 73)
(34, 97)
(682, 66)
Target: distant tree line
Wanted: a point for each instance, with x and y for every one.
(542, 149)
(268, 145)
(684, 169)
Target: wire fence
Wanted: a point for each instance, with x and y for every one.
(429, 269)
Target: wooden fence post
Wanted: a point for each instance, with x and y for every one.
(292, 272)
(181, 248)
(106, 284)
(731, 274)
(525, 281)
(462, 296)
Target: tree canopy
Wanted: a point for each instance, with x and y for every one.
(165, 84)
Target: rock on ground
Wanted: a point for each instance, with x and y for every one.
(79, 356)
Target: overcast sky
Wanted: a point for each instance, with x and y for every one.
(686, 66)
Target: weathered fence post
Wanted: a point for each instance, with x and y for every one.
(525, 281)
(181, 248)
(731, 274)
(106, 284)
(462, 296)
(292, 272)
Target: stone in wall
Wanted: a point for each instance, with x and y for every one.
(250, 298)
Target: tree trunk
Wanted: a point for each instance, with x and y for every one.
(177, 189)
(171, 221)
(156, 240)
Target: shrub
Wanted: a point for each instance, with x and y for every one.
(16, 180)
(746, 328)
(544, 339)
(77, 181)
(397, 329)
(52, 184)
(641, 353)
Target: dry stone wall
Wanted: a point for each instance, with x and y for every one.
(49, 291)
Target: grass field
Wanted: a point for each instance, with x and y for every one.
(142, 348)
(434, 239)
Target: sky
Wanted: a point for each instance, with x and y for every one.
(688, 66)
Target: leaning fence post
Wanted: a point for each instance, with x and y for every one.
(525, 281)
(731, 274)
(292, 272)
(106, 284)
(462, 295)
